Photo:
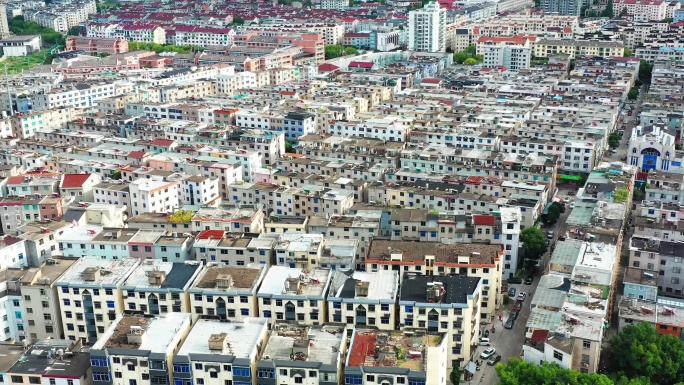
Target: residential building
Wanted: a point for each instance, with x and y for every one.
(425, 361)
(96, 46)
(641, 10)
(562, 7)
(52, 361)
(40, 299)
(574, 48)
(513, 57)
(156, 287)
(154, 196)
(90, 296)
(364, 299)
(79, 186)
(448, 304)
(226, 292)
(216, 352)
(299, 250)
(427, 29)
(293, 294)
(21, 45)
(137, 349)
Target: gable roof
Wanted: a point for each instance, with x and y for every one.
(74, 180)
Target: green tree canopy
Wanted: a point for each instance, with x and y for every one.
(640, 351)
(21, 27)
(139, 46)
(238, 21)
(468, 53)
(608, 10)
(633, 93)
(645, 71)
(455, 375)
(519, 372)
(335, 51)
(534, 242)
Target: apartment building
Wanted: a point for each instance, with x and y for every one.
(96, 45)
(513, 57)
(480, 261)
(90, 296)
(156, 287)
(303, 354)
(79, 186)
(364, 299)
(45, 116)
(391, 129)
(199, 36)
(299, 250)
(137, 349)
(641, 10)
(50, 361)
(216, 352)
(562, 7)
(574, 48)
(226, 292)
(153, 196)
(294, 294)
(427, 29)
(231, 219)
(653, 148)
(448, 304)
(85, 97)
(660, 255)
(426, 365)
(41, 305)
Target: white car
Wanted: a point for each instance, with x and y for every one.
(522, 296)
(566, 199)
(487, 353)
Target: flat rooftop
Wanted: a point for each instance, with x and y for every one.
(291, 342)
(230, 278)
(241, 338)
(39, 360)
(48, 272)
(410, 252)
(453, 289)
(97, 271)
(79, 234)
(378, 285)
(282, 280)
(9, 354)
(155, 273)
(143, 333)
(370, 347)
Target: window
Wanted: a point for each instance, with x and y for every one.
(181, 368)
(298, 380)
(351, 379)
(101, 377)
(34, 380)
(241, 371)
(98, 361)
(198, 366)
(586, 344)
(110, 304)
(118, 375)
(17, 379)
(266, 373)
(130, 367)
(558, 355)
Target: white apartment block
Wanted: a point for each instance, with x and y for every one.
(77, 98)
(138, 350)
(427, 29)
(115, 193)
(299, 250)
(153, 196)
(364, 299)
(641, 10)
(513, 57)
(226, 292)
(391, 129)
(448, 305)
(218, 353)
(199, 191)
(201, 36)
(293, 294)
(230, 84)
(331, 4)
(90, 296)
(40, 299)
(158, 288)
(47, 19)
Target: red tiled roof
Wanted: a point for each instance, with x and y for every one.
(327, 67)
(162, 142)
(487, 220)
(211, 234)
(539, 335)
(361, 64)
(74, 180)
(287, 93)
(364, 346)
(431, 81)
(136, 154)
(19, 179)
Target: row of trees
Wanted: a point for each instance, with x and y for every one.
(20, 26)
(639, 355)
(468, 57)
(138, 46)
(335, 51)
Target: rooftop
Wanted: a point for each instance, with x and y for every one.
(229, 278)
(289, 281)
(48, 272)
(47, 358)
(291, 342)
(378, 285)
(154, 273)
(375, 348)
(641, 276)
(142, 333)
(453, 289)
(410, 252)
(100, 272)
(239, 339)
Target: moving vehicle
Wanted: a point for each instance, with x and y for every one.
(487, 353)
(492, 361)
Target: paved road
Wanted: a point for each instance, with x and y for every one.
(508, 343)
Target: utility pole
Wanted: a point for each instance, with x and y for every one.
(9, 94)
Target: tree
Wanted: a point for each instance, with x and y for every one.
(620, 195)
(238, 21)
(614, 140)
(140, 46)
(624, 12)
(627, 52)
(468, 53)
(519, 372)
(639, 350)
(288, 146)
(608, 10)
(645, 71)
(21, 27)
(455, 375)
(534, 242)
(73, 31)
(335, 51)
(470, 61)
(553, 213)
(633, 93)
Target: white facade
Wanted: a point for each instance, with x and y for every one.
(201, 36)
(510, 228)
(153, 196)
(427, 29)
(229, 84)
(200, 191)
(389, 129)
(513, 57)
(78, 98)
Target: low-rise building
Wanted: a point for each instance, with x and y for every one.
(52, 361)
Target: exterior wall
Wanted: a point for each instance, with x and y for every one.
(44, 313)
(104, 307)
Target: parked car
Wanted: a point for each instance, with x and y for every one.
(484, 341)
(529, 279)
(566, 199)
(521, 296)
(511, 292)
(517, 306)
(514, 280)
(549, 234)
(514, 314)
(487, 353)
(492, 361)
(509, 323)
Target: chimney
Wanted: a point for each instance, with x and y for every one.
(224, 281)
(217, 341)
(135, 335)
(156, 277)
(91, 274)
(362, 288)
